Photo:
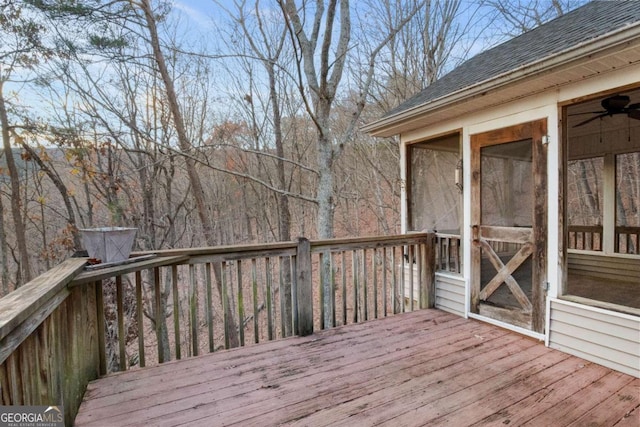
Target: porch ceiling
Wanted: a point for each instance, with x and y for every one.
(531, 80)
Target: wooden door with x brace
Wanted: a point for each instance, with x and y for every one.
(509, 224)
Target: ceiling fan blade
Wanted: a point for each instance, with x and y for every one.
(590, 120)
(634, 114)
(634, 106)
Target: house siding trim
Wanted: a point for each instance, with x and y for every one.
(602, 336)
(451, 293)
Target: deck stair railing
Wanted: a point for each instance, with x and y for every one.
(72, 325)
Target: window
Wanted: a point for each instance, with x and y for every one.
(627, 233)
(603, 205)
(584, 203)
(433, 197)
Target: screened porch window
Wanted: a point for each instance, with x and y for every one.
(627, 234)
(433, 196)
(603, 204)
(584, 203)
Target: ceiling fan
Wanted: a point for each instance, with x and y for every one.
(617, 104)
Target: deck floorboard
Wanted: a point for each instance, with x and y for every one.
(422, 368)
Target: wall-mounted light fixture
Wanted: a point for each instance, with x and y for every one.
(458, 180)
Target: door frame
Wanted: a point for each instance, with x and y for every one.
(537, 132)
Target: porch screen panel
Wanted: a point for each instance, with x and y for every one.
(585, 200)
(434, 198)
(507, 184)
(627, 231)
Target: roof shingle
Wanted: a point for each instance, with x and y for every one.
(563, 33)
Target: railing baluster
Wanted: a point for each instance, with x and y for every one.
(193, 309)
(140, 318)
(254, 291)
(419, 269)
(354, 277)
(332, 280)
(176, 311)
(344, 286)
(458, 268)
(384, 281)
(403, 279)
(394, 280)
(375, 282)
(240, 302)
(102, 343)
(294, 294)
(158, 310)
(282, 294)
(321, 295)
(365, 286)
(122, 361)
(225, 301)
(267, 267)
(447, 254)
(209, 308)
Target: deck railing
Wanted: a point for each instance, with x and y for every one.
(71, 325)
(590, 238)
(585, 237)
(448, 254)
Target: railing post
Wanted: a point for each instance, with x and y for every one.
(428, 278)
(304, 287)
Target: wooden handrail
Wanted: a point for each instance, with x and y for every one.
(27, 302)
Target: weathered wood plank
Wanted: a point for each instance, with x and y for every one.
(140, 319)
(579, 403)
(15, 337)
(506, 234)
(304, 287)
(107, 273)
(516, 413)
(368, 376)
(20, 304)
(509, 315)
(253, 358)
(504, 274)
(253, 370)
(428, 363)
(614, 408)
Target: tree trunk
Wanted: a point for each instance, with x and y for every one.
(16, 202)
(185, 146)
(62, 189)
(3, 252)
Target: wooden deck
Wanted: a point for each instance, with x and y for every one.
(422, 368)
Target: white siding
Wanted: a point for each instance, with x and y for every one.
(620, 267)
(605, 337)
(450, 293)
(450, 290)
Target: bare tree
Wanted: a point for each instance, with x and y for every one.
(322, 57)
(21, 50)
(515, 17)
(185, 146)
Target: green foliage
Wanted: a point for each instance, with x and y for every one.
(102, 42)
(62, 8)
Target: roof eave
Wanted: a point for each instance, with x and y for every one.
(391, 125)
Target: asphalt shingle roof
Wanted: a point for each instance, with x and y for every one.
(578, 26)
